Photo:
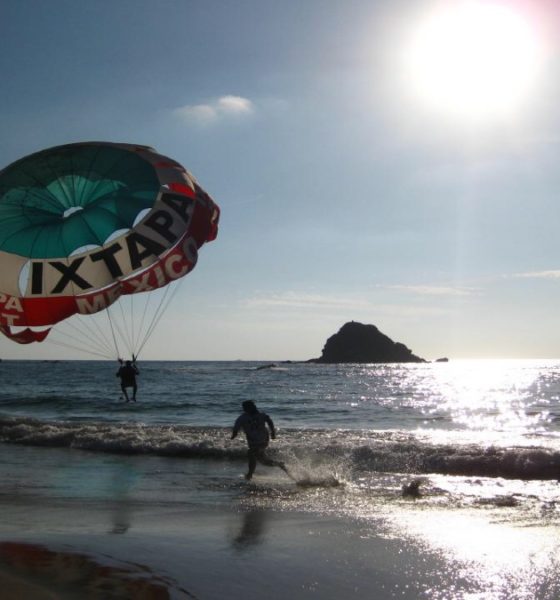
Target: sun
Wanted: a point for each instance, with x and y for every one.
(473, 59)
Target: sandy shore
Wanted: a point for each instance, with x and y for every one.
(67, 551)
(85, 526)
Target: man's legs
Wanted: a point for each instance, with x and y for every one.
(263, 459)
(252, 457)
(258, 454)
(125, 393)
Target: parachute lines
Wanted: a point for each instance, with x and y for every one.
(126, 325)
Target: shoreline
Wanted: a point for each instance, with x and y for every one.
(212, 554)
(157, 551)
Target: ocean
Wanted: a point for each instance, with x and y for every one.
(410, 450)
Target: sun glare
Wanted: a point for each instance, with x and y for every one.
(473, 59)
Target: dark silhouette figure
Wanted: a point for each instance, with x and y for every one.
(128, 373)
(256, 426)
(412, 489)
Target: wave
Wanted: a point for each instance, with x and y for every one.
(355, 451)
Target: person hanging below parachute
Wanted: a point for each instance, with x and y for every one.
(83, 225)
(128, 372)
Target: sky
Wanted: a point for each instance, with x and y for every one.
(388, 162)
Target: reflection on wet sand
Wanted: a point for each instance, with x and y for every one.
(121, 517)
(122, 484)
(252, 530)
(35, 572)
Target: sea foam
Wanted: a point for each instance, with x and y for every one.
(344, 450)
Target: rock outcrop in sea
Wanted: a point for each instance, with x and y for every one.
(359, 343)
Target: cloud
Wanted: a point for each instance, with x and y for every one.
(538, 275)
(235, 105)
(200, 113)
(434, 290)
(353, 306)
(222, 108)
(303, 300)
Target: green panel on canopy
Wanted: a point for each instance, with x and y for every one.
(59, 200)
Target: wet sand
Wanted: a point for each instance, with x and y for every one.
(80, 526)
(67, 551)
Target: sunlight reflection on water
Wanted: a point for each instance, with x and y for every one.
(495, 559)
(489, 395)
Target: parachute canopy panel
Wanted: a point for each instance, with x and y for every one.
(83, 224)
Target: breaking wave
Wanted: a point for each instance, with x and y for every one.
(358, 451)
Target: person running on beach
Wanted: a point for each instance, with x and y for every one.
(256, 426)
(127, 373)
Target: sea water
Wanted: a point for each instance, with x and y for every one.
(373, 427)
(460, 443)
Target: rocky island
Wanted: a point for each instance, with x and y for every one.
(359, 343)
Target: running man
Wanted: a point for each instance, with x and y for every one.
(128, 373)
(256, 426)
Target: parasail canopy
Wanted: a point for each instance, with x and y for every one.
(84, 224)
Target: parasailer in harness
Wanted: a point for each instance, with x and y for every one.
(256, 426)
(128, 372)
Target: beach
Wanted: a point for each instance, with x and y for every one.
(318, 238)
(119, 537)
(188, 553)
(419, 481)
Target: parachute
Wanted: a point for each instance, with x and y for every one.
(85, 225)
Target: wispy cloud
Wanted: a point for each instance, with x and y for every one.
(537, 275)
(352, 306)
(235, 105)
(210, 112)
(303, 300)
(434, 290)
